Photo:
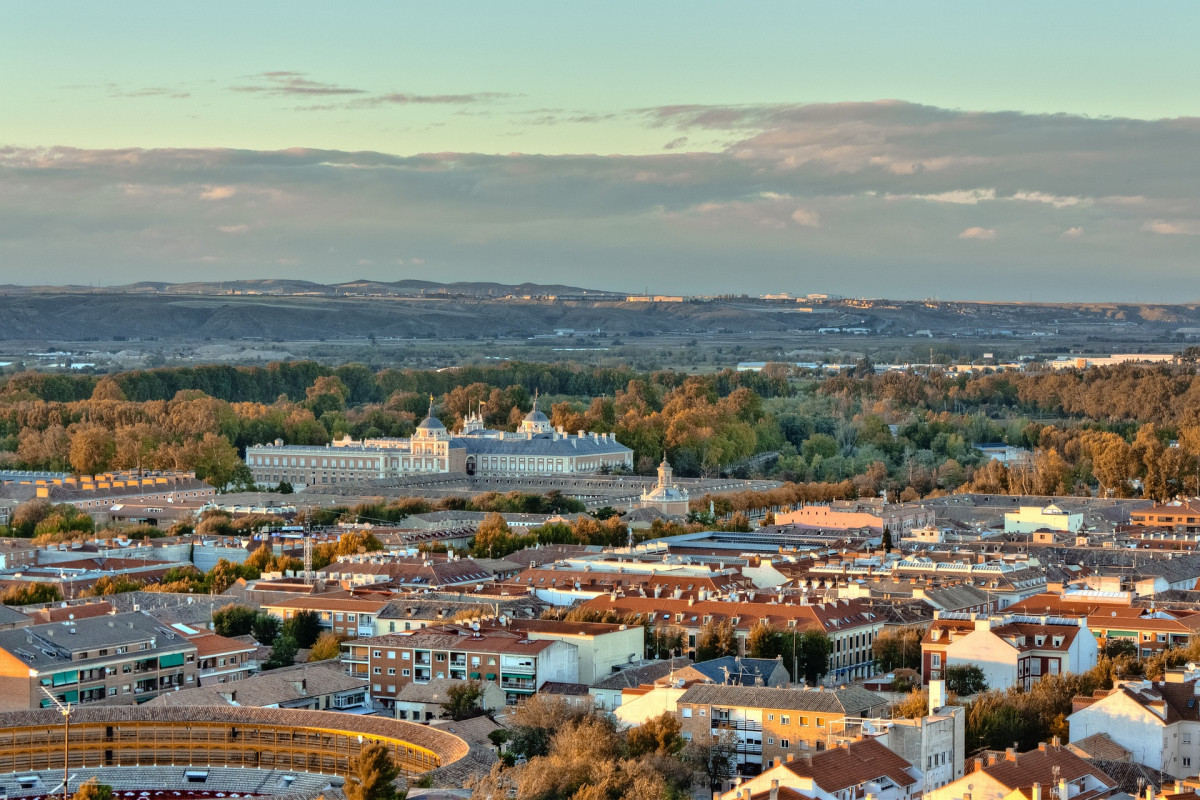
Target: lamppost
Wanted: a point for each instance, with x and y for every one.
(66, 715)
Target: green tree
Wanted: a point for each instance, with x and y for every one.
(815, 647)
(716, 639)
(897, 649)
(266, 628)
(304, 627)
(372, 775)
(283, 653)
(233, 620)
(764, 641)
(464, 700)
(965, 679)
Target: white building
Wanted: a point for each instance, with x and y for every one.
(1042, 518)
(1157, 722)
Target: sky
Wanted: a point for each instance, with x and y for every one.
(1009, 151)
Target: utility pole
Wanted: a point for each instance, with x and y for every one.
(66, 715)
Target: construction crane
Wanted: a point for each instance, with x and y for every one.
(66, 715)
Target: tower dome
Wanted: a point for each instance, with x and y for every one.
(431, 427)
(535, 421)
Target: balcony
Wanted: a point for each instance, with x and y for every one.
(736, 725)
(518, 684)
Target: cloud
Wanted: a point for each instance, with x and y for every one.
(676, 143)
(284, 83)
(806, 219)
(983, 234)
(833, 196)
(1173, 227)
(218, 192)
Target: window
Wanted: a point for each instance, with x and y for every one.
(1187, 761)
(391, 670)
(770, 717)
(935, 660)
(376, 653)
(404, 656)
(404, 672)
(784, 719)
(770, 740)
(785, 744)
(804, 721)
(392, 654)
(703, 712)
(376, 671)
(687, 712)
(820, 722)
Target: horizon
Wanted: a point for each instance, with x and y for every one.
(906, 152)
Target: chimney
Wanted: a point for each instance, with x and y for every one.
(1010, 754)
(1037, 792)
(978, 764)
(791, 757)
(775, 789)
(937, 695)
(1041, 747)
(1062, 789)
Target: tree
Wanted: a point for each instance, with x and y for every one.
(965, 679)
(887, 541)
(915, 705)
(764, 641)
(283, 653)
(372, 775)
(716, 639)
(92, 450)
(33, 594)
(491, 536)
(897, 649)
(1116, 648)
(659, 735)
(233, 620)
(814, 647)
(715, 758)
(534, 722)
(464, 700)
(328, 646)
(93, 789)
(304, 627)
(266, 628)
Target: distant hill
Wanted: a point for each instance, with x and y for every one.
(286, 286)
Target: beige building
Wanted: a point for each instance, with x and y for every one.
(772, 724)
(117, 659)
(536, 448)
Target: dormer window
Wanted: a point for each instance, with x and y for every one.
(1039, 640)
(1058, 640)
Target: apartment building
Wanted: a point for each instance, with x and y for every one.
(1050, 771)
(772, 723)
(1158, 722)
(118, 659)
(1011, 649)
(220, 659)
(850, 626)
(860, 769)
(515, 663)
(1111, 616)
(1179, 517)
(343, 613)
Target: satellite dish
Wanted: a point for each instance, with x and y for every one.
(361, 549)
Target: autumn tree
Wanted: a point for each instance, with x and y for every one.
(659, 734)
(93, 789)
(372, 774)
(327, 647)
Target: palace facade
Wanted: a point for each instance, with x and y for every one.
(536, 448)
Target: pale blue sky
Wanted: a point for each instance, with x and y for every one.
(788, 172)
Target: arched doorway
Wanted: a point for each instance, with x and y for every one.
(470, 465)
